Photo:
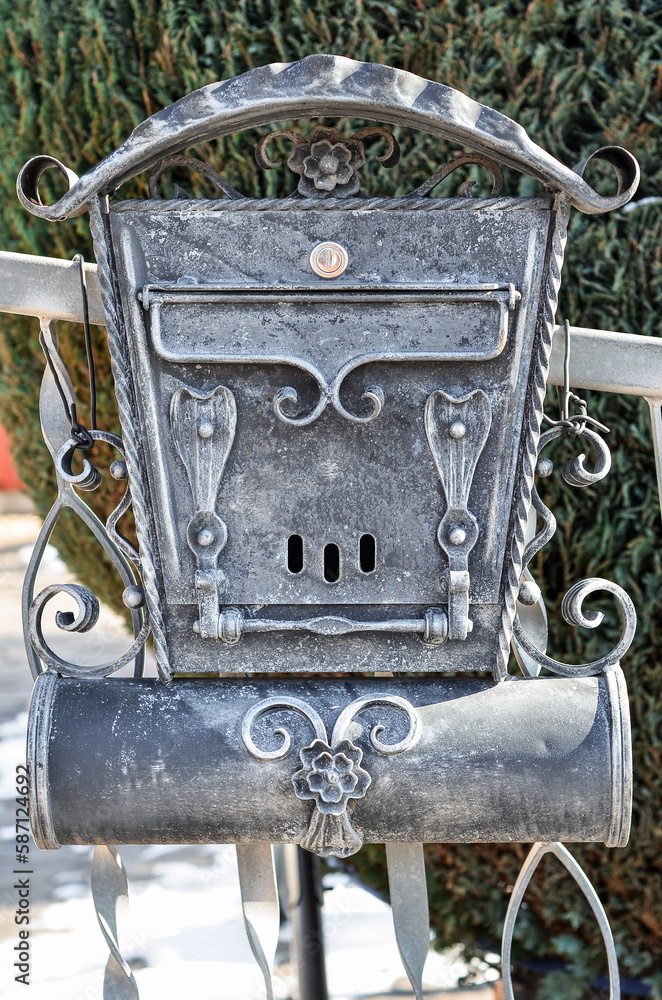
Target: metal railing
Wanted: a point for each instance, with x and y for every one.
(605, 360)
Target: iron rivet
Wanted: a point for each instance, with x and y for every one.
(206, 429)
(118, 470)
(529, 592)
(545, 467)
(457, 536)
(457, 430)
(133, 597)
(205, 537)
(329, 260)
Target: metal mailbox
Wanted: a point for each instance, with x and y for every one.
(331, 409)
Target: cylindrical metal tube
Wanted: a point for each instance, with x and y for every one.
(133, 761)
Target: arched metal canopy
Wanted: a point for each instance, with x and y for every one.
(326, 85)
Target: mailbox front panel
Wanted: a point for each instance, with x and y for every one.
(429, 301)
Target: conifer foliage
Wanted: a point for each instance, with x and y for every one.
(75, 79)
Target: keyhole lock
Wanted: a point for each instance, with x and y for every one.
(329, 260)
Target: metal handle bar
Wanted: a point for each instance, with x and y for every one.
(330, 86)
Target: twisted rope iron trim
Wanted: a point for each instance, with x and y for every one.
(110, 894)
(531, 428)
(331, 205)
(126, 410)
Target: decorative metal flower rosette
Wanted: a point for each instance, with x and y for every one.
(326, 162)
(331, 774)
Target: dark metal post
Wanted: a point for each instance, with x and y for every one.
(309, 935)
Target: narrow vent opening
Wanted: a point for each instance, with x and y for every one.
(331, 563)
(295, 553)
(367, 553)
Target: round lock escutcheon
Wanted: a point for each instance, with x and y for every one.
(329, 259)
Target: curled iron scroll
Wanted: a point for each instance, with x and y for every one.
(390, 701)
(55, 430)
(387, 159)
(467, 159)
(373, 394)
(331, 773)
(575, 474)
(273, 705)
(571, 609)
(85, 619)
(339, 730)
(191, 163)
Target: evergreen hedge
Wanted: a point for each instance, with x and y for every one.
(76, 78)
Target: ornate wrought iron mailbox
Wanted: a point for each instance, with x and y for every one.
(331, 411)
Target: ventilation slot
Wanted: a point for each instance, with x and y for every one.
(295, 553)
(331, 563)
(367, 553)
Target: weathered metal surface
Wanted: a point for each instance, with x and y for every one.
(131, 761)
(475, 331)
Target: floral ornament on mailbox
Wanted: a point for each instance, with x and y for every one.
(332, 774)
(326, 162)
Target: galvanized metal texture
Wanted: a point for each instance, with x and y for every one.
(533, 859)
(408, 893)
(324, 85)
(47, 288)
(542, 758)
